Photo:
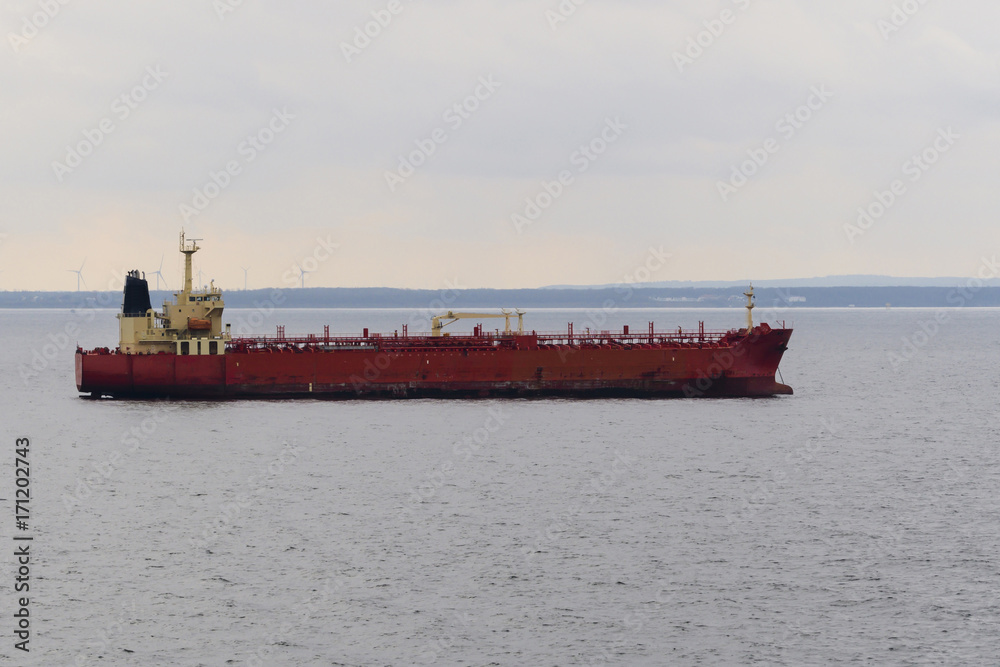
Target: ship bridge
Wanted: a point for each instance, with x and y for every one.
(191, 324)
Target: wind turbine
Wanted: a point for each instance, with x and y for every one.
(303, 273)
(245, 269)
(79, 275)
(158, 274)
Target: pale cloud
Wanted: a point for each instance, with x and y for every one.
(352, 120)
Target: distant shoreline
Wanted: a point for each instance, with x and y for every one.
(623, 296)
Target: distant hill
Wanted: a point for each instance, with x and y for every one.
(825, 281)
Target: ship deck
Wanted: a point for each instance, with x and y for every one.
(491, 340)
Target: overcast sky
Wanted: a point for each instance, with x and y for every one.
(739, 137)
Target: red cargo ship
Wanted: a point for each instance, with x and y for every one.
(185, 352)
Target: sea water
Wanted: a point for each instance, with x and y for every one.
(856, 522)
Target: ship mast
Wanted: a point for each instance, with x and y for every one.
(189, 248)
(749, 296)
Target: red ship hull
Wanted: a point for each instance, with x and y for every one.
(657, 365)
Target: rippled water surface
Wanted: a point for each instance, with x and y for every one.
(856, 522)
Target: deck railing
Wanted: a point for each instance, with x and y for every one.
(484, 339)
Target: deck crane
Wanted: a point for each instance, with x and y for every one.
(437, 325)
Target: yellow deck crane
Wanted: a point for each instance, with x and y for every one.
(451, 317)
